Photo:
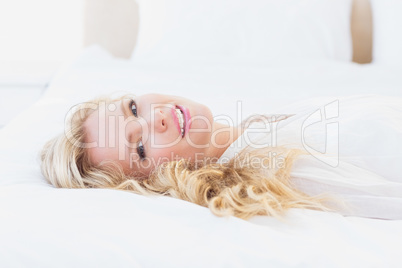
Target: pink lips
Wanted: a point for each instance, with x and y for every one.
(176, 120)
(187, 117)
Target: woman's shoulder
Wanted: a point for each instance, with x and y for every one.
(308, 119)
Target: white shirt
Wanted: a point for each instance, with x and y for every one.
(354, 145)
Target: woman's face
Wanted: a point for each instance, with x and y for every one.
(143, 132)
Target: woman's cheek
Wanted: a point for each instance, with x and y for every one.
(164, 140)
(163, 155)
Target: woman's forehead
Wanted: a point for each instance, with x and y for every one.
(96, 126)
(104, 110)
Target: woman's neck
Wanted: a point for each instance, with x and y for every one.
(222, 137)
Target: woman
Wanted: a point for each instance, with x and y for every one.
(167, 145)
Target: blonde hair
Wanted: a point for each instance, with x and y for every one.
(237, 188)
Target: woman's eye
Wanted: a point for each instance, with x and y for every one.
(133, 107)
(141, 150)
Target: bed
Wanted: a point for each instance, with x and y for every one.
(43, 226)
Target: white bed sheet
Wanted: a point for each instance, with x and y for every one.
(43, 226)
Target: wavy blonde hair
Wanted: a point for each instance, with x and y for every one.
(237, 188)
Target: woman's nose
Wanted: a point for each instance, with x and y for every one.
(159, 120)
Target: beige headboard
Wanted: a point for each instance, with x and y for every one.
(362, 31)
(113, 24)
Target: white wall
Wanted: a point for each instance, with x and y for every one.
(36, 38)
(40, 30)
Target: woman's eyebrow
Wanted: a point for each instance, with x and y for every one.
(131, 162)
(124, 107)
(131, 150)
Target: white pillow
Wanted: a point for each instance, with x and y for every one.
(245, 31)
(387, 33)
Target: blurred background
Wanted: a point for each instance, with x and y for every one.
(38, 36)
